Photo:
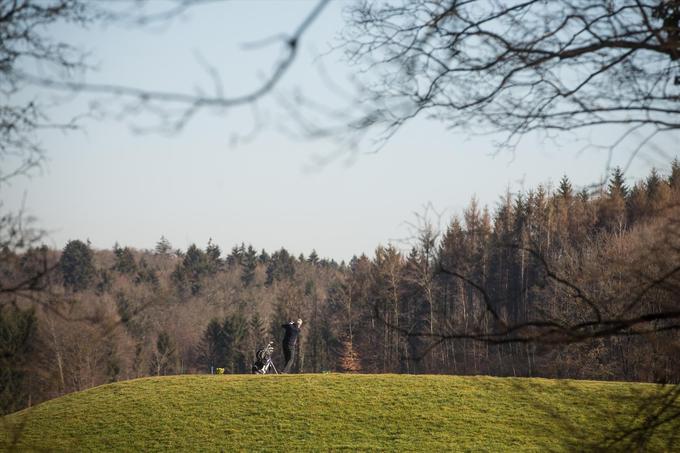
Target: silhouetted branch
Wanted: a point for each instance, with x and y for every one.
(523, 67)
(160, 103)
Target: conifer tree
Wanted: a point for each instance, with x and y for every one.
(248, 266)
(565, 189)
(190, 272)
(212, 353)
(163, 355)
(674, 177)
(637, 203)
(281, 266)
(163, 246)
(18, 332)
(234, 332)
(257, 331)
(103, 282)
(653, 185)
(617, 186)
(236, 255)
(77, 265)
(212, 255)
(146, 274)
(125, 260)
(313, 258)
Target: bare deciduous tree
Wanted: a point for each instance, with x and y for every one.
(522, 66)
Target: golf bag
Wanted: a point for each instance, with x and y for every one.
(263, 360)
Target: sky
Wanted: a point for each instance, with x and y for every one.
(108, 183)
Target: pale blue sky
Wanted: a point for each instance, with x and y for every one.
(110, 185)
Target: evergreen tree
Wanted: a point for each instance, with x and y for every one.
(257, 331)
(310, 287)
(281, 266)
(18, 333)
(36, 264)
(248, 266)
(124, 260)
(147, 274)
(212, 257)
(617, 186)
(124, 308)
(192, 269)
(674, 178)
(163, 357)
(212, 351)
(313, 258)
(637, 203)
(103, 282)
(224, 344)
(565, 189)
(163, 246)
(236, 256)
(235, 331)
(653, 185)
(450, 248)
(264, 257)
(612, 213)
(77, 265)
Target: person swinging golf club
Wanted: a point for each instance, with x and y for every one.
(289, 341)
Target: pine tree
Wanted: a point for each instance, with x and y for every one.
(212, 351)
(235, 331)
(147, 274)
(125, 260)
(653, 185)
(313, 258)
(281, 266)
(236, 255)
(212, 256)
(257, 331)
(674, 178)
(617, 186)
(565, 189)
(18, 333)
(192, 269)
(163, 356)
(637, 203)
(77, 265)
(163, 246)
(248, 266)
(103, 282)
(612, 214)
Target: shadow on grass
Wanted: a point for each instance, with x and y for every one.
(645, 418)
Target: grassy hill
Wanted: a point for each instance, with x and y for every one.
(329, 412)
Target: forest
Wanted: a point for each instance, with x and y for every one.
(551, 282)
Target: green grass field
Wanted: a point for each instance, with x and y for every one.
(330, 412)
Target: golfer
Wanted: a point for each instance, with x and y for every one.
(289, 342)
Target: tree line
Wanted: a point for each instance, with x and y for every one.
(545, 284)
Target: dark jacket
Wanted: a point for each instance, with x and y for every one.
(292, 331)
